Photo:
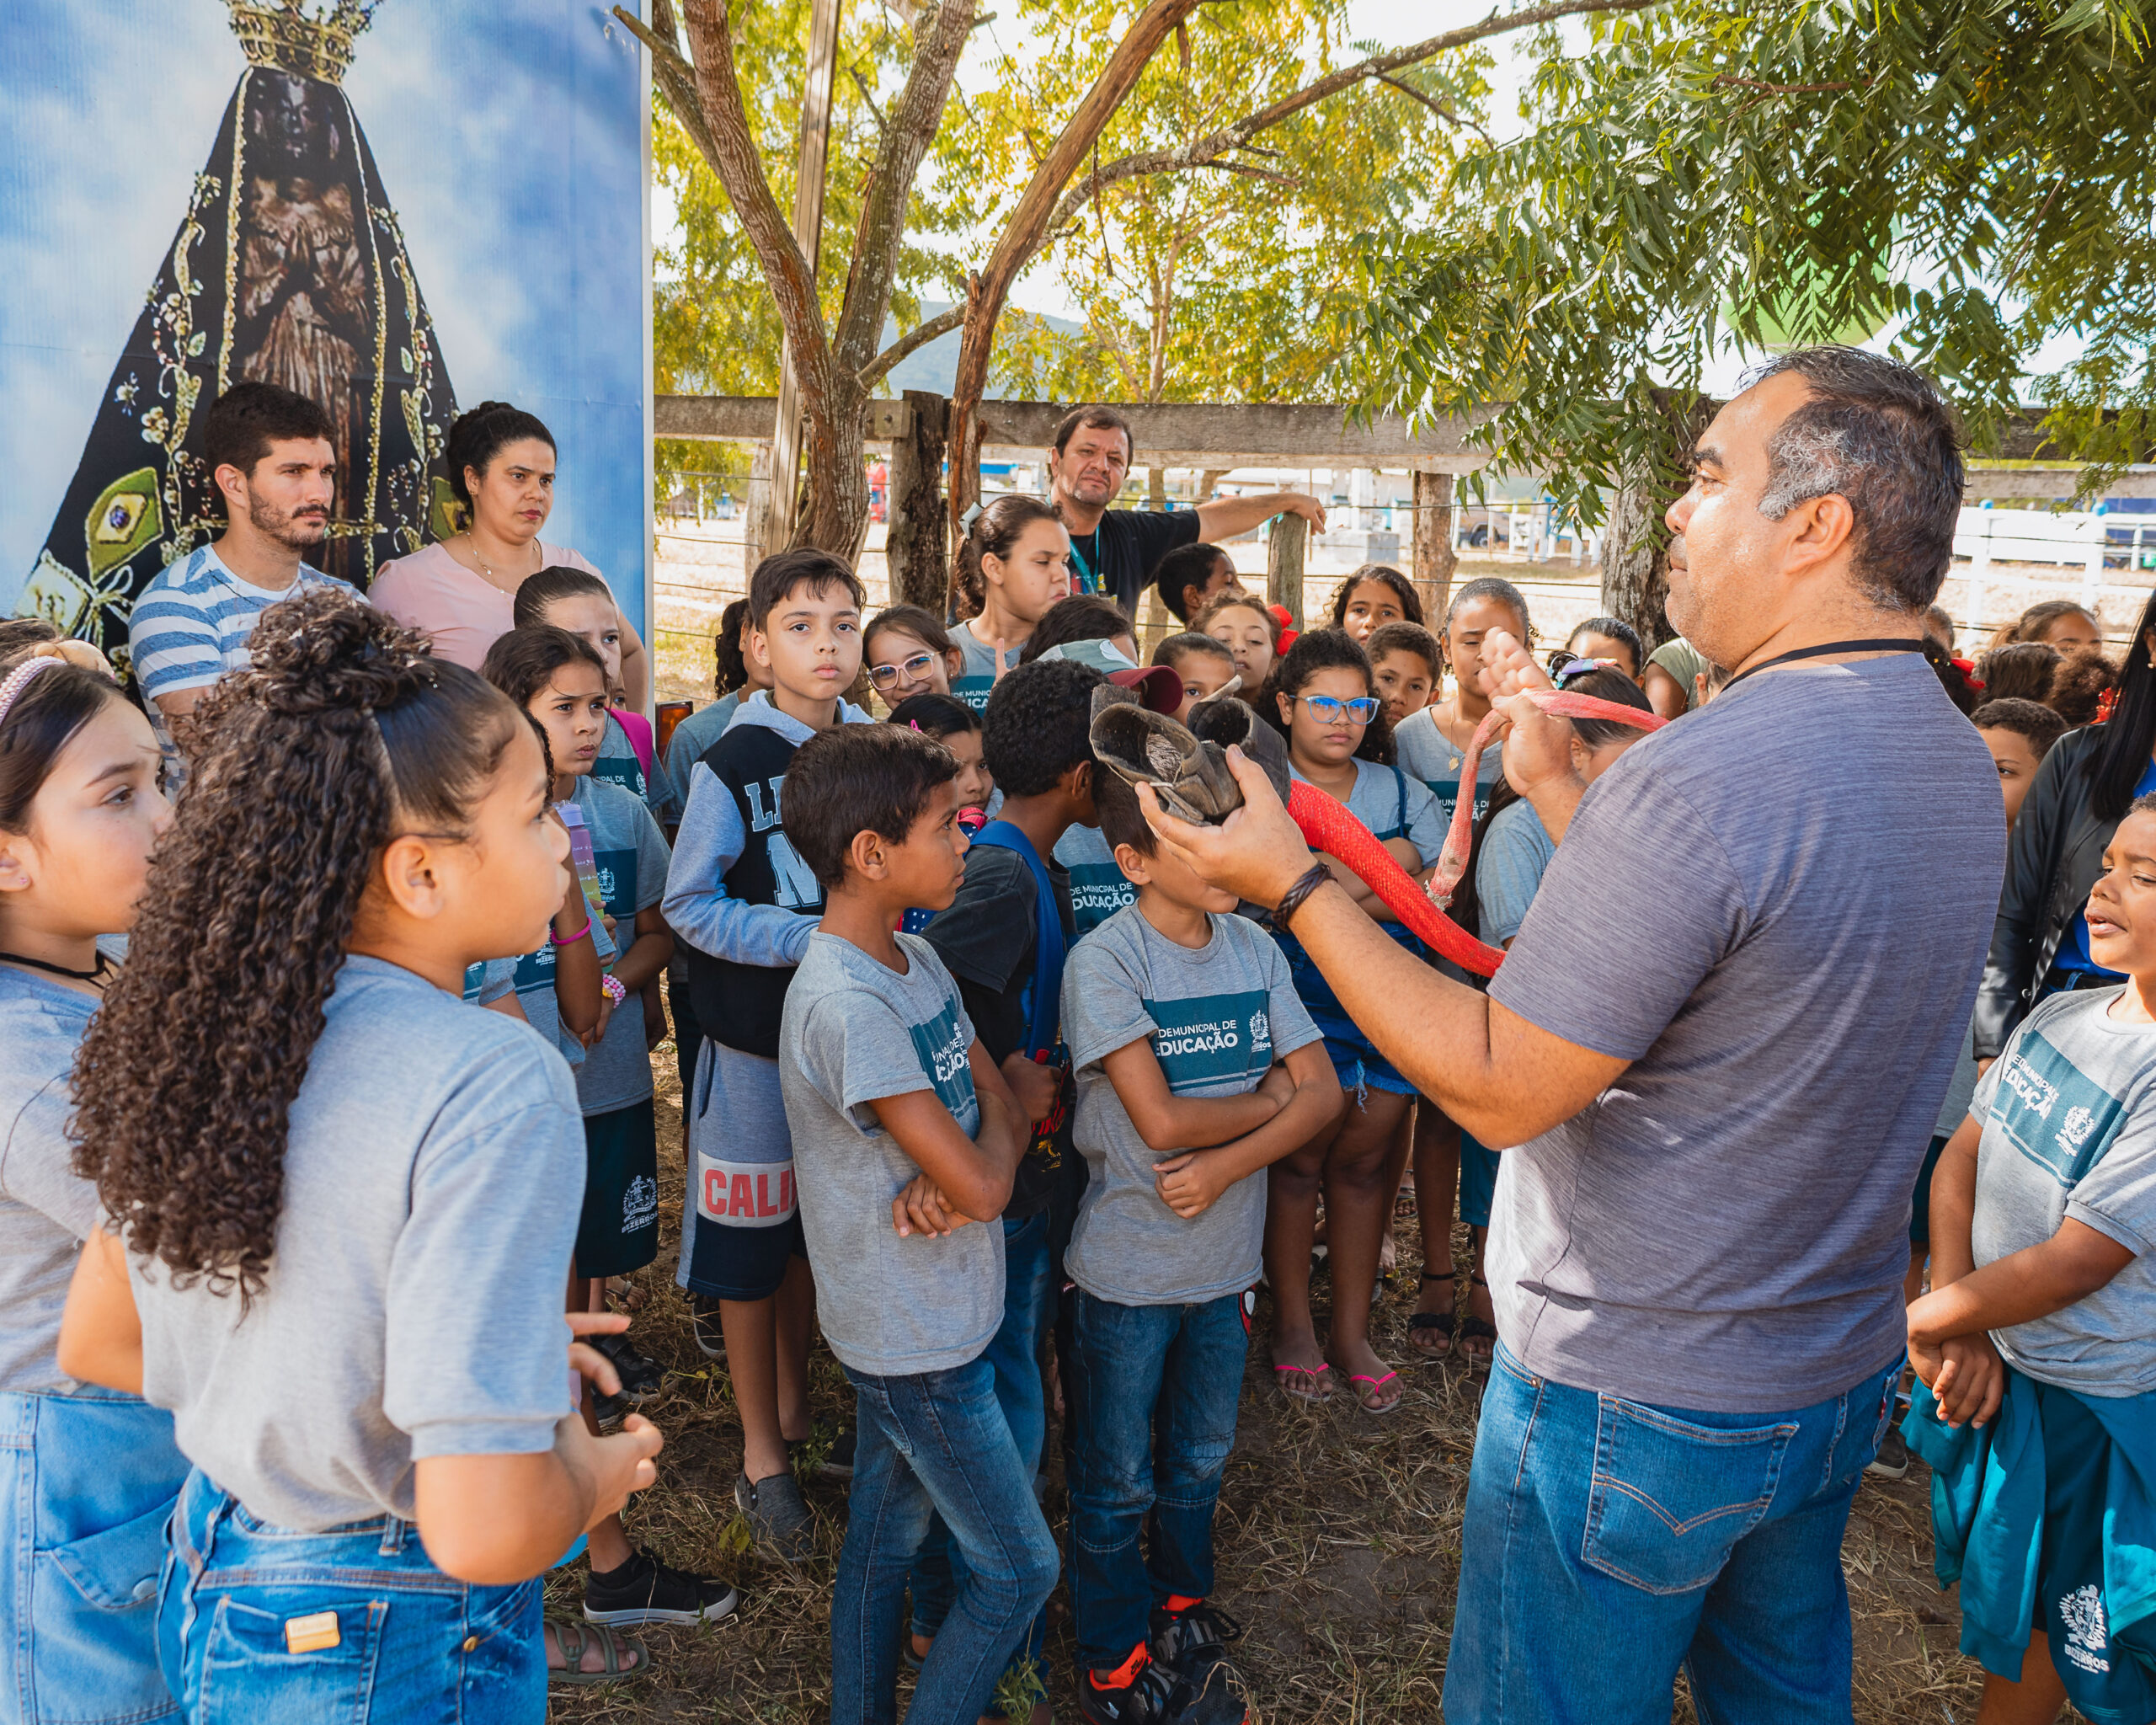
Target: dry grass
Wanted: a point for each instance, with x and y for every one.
(1338, 1539)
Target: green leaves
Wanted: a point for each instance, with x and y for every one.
(1975, 173)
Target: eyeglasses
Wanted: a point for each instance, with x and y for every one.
(913, 669)
(1330, 709)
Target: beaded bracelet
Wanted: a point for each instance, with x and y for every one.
(1292, 900)
(616, 990)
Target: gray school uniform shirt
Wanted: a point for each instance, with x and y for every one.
(977, 674)
(632, 859)
(1426, 753)
(1098, 887)
(854, 1032)
(691, 741)
(1395, 804)
(1516, 851)
(434, 1169)
(45, 1210)
(1727, 1226)
(2069, 1125)
(1217, 1018)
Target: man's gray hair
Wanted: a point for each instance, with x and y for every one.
(1878, 434)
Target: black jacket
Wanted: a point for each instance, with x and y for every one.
(2053, 858)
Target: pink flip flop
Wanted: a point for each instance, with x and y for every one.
(1368, 1387)
(1317, 1391)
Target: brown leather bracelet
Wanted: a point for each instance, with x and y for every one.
(1292, 900)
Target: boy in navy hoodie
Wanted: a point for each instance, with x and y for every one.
(743, 905)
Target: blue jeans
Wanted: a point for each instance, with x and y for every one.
(1607, 1543)
(412, 1645)
(87, 1484)
(935, 1443)
(1014, 1356)
(1155, 1388)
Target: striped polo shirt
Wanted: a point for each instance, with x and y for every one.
(192, 624)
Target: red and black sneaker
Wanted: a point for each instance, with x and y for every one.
(1192, 1638)
(1144, 1691)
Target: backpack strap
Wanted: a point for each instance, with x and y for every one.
(1049, 947)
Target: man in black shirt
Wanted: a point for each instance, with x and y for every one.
(1114, 551)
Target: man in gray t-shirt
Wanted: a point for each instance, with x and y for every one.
(856, 1031)
(2069, 1133)
(1719, 1043)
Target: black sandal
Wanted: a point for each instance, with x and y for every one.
(1439, 1322)
(1477, 1329)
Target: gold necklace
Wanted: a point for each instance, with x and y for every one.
(486, 569)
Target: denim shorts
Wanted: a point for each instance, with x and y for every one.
(87, 1484)
(259, 1625)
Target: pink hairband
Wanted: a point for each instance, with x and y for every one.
(19, 677)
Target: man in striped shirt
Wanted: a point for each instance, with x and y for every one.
(271, 457)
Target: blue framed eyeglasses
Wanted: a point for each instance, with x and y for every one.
(1330, 709)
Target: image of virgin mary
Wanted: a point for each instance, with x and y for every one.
(288, 268)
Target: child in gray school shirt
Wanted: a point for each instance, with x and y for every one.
(1218, 1017)
(856, 1031)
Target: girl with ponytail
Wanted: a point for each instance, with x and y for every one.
(339, 1204)
(87, 1476)
(1013, 567)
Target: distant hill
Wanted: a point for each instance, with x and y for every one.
(935, 366)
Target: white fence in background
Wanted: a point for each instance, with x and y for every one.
(1994, 547)
(1535, 532)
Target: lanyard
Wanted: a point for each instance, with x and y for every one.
(1088, 580)
(1822, 651)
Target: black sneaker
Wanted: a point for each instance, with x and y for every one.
(711, 1337)
(778, 1520)
(838, 1460)
(607, 1412)
(1892, 1461)
(642, 1376)
(644, 1590)
(1194, 1642)
(1160, 1694)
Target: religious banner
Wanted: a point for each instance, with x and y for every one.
(472, 220)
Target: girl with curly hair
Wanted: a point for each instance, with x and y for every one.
(338, 1202)
(87, 1476)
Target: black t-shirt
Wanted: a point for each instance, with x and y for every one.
(986, 939)
(1118, 557)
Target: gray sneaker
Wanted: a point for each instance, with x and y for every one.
(778, 1520)
(1892, 1461)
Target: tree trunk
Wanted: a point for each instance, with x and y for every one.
(987, 290)
(1434, 557)
(1157, 488)
(1635, 556)
(918, 538)
(1287, 540)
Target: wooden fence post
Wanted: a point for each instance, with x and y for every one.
(1287, 545)
(916, 540)
(1434, 557)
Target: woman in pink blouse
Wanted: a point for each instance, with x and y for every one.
(462, 591)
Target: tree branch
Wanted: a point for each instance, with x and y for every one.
(1203, 149)
(939, 38)
(915, 339)
(733, 156)
(1730, 82)
(1436, 107)
(675, 77)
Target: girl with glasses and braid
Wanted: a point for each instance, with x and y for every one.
(1322, 699)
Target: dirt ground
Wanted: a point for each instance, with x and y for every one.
(1338, 1538)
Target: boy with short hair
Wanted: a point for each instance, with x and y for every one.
(1191, 577)
(743, 906)
(905, 1133)
(1203, 664)
(1003, 939)
(2018, 734)
(1406, 664)
(2037, 1348)
(1198, 1067)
